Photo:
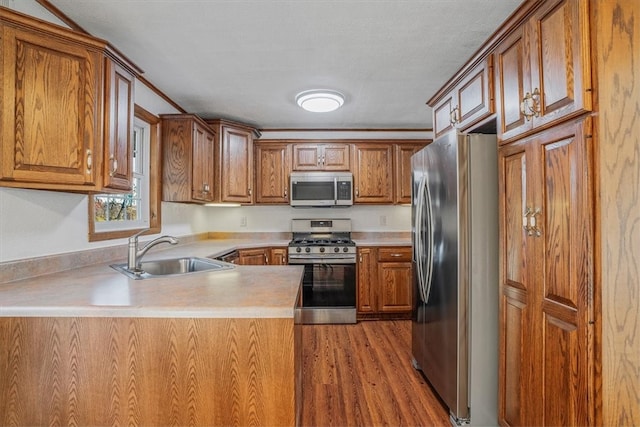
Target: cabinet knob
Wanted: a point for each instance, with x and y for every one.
(114, 166)
(89, 161)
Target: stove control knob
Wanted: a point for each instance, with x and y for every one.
(345, 249)
(321, 250)
(336, 249)
(307, 250)
(298, 249)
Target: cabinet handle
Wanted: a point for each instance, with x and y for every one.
(396, 255)
(89, 161)
(322, 160)
(114, 166)
(205, 188)
(533, 223)
(357, 192)
(249, 191)
(530, 105)
(285, 193)
(453, 116)
(360, 258)
(319, 159)
(266, 259)
(525, 221)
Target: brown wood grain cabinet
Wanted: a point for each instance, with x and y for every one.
(105, 371)
(547, 278)
(373, 171)
(253, 256)
(273, 165)
(278, 256)
(67, 109)
(311, 156)
(234, 169)
(402, 194)
(470, 100)
(543, 69)
(384, 281)
(118, 131)
(188, 146)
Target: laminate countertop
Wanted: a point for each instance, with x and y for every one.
(100, 291)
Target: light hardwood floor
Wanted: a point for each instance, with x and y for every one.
(361, 375)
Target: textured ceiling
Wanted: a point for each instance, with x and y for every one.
(247, 59)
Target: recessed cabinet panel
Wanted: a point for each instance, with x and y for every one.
(118, 127)
(51, 107)
(373, 173)
(272, 173)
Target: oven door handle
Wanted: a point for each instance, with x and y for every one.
(349, 260)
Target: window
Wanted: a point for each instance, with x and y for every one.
(113, 216)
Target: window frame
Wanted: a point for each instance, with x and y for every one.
(155, 188)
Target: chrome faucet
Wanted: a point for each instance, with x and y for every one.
(135, 254)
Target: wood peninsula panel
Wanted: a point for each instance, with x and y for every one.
(616, 30)
(144, 371)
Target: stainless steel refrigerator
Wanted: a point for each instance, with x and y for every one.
(455, 256)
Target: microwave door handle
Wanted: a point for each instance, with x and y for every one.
(335, 190)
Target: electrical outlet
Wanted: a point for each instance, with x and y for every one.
(383, 220)
(243, 221)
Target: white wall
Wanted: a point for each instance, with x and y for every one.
(278, 218)
(37, 223)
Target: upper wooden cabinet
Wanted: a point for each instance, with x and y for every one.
(118, 140)
(235, 161)
(403, 155)
(543, 69)
(188, 146)
(273, 164)
(468, 102)
(373, 173)
(67, 109)
(318, 157)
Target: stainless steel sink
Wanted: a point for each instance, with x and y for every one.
(172, 267)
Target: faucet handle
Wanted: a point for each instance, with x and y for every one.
(134, 238)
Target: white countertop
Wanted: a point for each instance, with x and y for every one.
(100, 291)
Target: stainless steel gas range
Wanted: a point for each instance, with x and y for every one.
(325, 248)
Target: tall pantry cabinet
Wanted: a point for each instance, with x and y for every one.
(543, 81)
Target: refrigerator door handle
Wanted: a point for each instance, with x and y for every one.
(430, 245)
(418, 252)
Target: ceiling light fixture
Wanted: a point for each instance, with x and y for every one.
(320, 100)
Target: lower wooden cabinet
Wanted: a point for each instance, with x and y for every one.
(384, 281)
(263, 256)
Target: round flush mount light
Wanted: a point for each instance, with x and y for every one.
(320, 100)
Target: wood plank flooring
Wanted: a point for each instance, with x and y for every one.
(361, 375)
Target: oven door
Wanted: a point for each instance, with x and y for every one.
(329, 293)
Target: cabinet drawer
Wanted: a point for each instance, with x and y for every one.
(394, 254)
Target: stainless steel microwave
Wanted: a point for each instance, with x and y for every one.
(321, 189)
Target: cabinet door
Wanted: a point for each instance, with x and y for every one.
(253, 256)
(546, 279)
(315, 157)
(306, 157)
(278, 256)
(517, 290)
(367, 280)
(373, 173)
(202, 174)
(335, 157)
(560, 60)
(394, 287)
(272, 173)
(475, 95)
(443, 115)
(512, 76)
(51, 96)
(118, 126)
(237, 165)
(403, 172)
(564, 244)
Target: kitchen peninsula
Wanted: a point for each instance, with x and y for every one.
(89, 346)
